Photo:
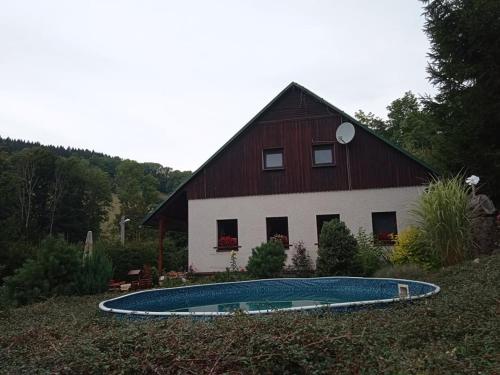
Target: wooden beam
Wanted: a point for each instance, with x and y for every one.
(161, 234)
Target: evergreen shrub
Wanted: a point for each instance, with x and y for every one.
(337, 250)
(53, 271)
(369, 255)
(267, 260)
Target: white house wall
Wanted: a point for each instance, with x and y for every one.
(355, 208)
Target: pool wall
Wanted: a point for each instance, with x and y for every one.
(364, 291)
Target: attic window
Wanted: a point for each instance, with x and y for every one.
(323, 155)
(273, 159)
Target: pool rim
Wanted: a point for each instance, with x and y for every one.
(436, 290)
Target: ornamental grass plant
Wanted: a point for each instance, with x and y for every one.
(443, 217)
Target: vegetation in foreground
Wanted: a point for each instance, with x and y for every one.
(454, 332)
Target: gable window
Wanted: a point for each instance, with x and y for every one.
(273, 158)
(227, 234)
(322, 155)
(385, 226)
(322, 219)
(277, 228)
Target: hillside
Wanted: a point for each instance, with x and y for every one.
(454, 332)
(52, 190)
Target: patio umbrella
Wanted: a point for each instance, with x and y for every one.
(88, 245)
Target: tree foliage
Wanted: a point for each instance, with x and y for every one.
(465, 67)
(52, 191)
(409, 125)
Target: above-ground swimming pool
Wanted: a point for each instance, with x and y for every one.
(265, 296)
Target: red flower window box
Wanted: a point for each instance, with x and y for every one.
(386, 237)
(282, 238)
(227, 242)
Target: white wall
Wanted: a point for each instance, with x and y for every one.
(355, 208)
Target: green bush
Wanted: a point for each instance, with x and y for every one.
(13, 255)
(175, 255)
(411, 247)
(443, 217)
(228, 275)
(337, 250)
(267, 260)
(402, 271)
(301, 261)
(369, 256)
(54, 271)
(133, 255)
(95, 273)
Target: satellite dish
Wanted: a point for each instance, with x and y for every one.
(345, 133)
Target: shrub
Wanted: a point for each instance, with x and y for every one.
(369, 255)
(411, 247)
(402, 271)
(13, 255)
(227, 275)
(53, 271)
(233, 262)
(301, 261)
(95, 273)
(133, 255)
(175, 255)
(267, 260)
(443, 217)
(337, 249)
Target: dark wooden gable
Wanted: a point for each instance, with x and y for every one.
(295, 122)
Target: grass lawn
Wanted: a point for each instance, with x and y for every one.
(455, 332)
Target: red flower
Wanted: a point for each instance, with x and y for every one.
(280, 237)
(385, 236)
(227, 241)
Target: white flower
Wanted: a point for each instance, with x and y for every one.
(472, 180)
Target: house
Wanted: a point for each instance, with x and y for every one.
(284, 173)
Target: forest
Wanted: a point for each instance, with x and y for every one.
(48, 191)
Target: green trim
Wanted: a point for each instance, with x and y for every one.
(249, 123)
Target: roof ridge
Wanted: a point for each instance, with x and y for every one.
(254, 118)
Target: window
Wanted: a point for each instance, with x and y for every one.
(321, 219)
(277, 227)
(227, 234)
(273, 159)
(384, 226)
(322, 155)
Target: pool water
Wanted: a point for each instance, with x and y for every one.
(264, 296)
(257, 305)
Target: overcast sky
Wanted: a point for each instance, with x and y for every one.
(171, 81)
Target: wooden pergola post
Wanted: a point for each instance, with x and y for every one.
(162, 230)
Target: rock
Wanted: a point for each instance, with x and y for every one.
(483, 224)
